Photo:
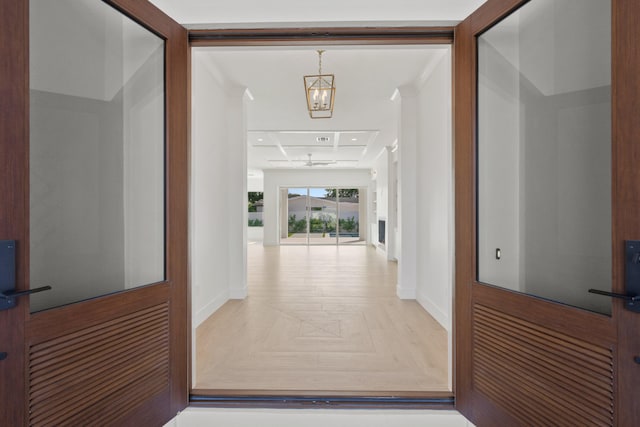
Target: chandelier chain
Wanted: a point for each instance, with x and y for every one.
(320, 61)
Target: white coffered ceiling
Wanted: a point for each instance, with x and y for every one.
(291, 149)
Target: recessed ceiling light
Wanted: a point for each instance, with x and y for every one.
(260, 139)
(354, 139)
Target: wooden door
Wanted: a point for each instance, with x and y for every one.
(528, 360)
(115, 359)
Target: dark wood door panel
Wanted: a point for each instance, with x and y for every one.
(96, 374)
(540, 375)
(539, 362)
(120, 359)
(626, 194)
(49, 324)
(522, 360)
(14, 134)
(581, 324)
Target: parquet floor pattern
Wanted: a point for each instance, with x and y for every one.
(321, 318)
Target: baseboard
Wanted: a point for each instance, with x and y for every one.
(405, 293)
(206, 311)
(435, 311)
(238, 293)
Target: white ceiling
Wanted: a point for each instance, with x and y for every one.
(366, 77)
(328, 11)
(281, 133)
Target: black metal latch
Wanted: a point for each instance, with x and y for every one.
(7, 298)
(8, 293)
(632, 301)
(631, 277)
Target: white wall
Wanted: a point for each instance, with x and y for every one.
(434, 196)
(407, 216)
(394, 207)
(255, 183)
(255, 234)
(209, 255)
(235, 180)
(218, 192)
(276, 179)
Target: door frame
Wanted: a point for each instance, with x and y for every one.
(326, 36)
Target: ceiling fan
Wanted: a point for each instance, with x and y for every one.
(311, 163)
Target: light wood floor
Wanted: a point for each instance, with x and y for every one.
(321, 318)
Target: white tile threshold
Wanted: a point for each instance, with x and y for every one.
(206, 417)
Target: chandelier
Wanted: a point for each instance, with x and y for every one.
(320, 91)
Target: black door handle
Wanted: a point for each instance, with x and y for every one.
(631, 300)
(8, 298)
(13, 294)
(8, 294)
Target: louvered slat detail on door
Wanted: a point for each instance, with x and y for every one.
(542, 377)
(121, 362)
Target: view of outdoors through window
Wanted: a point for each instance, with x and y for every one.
(321, 216)
(307, 215)
(255, 209)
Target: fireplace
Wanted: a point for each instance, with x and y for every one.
(382, 226)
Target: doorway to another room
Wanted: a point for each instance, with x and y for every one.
(338, 276)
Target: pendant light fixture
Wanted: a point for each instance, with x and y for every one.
(320, 91)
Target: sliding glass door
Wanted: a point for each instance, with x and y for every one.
(321, 216)
(323, 213)
(350, 216)
(297, 222)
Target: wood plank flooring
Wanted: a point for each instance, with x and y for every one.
(321, 318)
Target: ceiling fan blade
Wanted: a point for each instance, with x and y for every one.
(311, 163)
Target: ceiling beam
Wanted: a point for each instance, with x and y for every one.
(321, 36)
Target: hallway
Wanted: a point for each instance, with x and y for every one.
(321, 319)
